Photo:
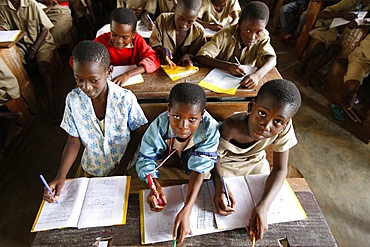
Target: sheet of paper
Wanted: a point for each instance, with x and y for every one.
(104, 202)
(209, 33)
(284, 208)
(158, 226)
(66, 213)
(243, 206)
(9, 36)
(179, 71)
(119, 70)
(221, 81)
(141, 29)
(340, 21)
(202, 218)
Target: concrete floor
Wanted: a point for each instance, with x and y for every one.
(335, 164)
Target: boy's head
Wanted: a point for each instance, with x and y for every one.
(122, 27)
(253, 20)
(186, 13)
(219, 5)
(276, 103)
(91, 67)
(186, 106)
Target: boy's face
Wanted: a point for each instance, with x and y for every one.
(91, 77)
(121, 35)
(251, 31)
(184, 18)
(184, 119)
(219, 5)
(267, 118)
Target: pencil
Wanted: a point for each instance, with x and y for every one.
(47, 187)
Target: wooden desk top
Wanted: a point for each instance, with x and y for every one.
(312, 232)
(157, 85)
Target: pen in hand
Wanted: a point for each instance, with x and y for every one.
(47, 187)
(359, 9)
(226, 193)
(150, 19)
(154, 189)
(177, 236)
(239, 64)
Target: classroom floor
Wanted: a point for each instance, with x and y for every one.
(334, 163)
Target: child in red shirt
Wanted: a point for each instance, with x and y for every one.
(127, 47)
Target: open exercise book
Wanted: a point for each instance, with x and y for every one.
(179, 71)
(85, 202)
(248, 190)
(221, 81)
(340, 21)
(8, 38)
(119, 70)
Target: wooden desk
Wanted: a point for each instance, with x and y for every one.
(312, 232)
(157, 85)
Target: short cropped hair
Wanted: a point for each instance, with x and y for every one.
(187, 93)
(255, 10)
(91, 51)
(282, 92)
(124, 16)
(190, 4)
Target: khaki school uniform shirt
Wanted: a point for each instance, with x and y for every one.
(164, 35)
(359, 62)
(163, 6)
(9, 87)
(207, 11)
(129, 3)
(236, 161)
(327, 35)
(226, 44)
(28, 18)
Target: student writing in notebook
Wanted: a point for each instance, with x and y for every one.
(248, 41)
(127, 47)
(216, 12)
(104, 117)
(153, 9)
(191, 134)
(176, 37)
(244, 138)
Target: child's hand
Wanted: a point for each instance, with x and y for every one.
(121, 79)
(221, 202)
(235, 70)
(31, 54)
(215, 26)
(250, 81)
(167, 55)
(151, 25)
(56, 187)
(186, 60)
(182, 221)
(348, 16)
(152, 201)
(258, 222)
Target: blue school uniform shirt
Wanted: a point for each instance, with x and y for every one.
(200, 157)
(103, 151)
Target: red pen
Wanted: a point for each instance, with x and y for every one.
(154, 189)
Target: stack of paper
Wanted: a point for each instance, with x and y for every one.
(179, 72)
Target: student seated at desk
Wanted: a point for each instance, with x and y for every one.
(189, 131)
(358, 69)
(214, 13)
(127, 47)
(177, 36)
(248, 41)
(244, 138)
(136, 6)
(327, 40)
(38, 44)
(154, 8)
(106, 118)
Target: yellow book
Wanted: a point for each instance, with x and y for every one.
(86, 202)
(179, 72)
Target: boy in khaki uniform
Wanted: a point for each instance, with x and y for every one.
(358, 69)
(214, 13)
(38, 43)
(248, 41)
(179, 33)
(136, 6)
(155, 8)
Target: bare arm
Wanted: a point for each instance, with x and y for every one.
(69, 155)
(332, 15)
(252, 80)
(235, 17)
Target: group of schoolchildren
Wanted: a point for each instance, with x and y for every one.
(108, 121)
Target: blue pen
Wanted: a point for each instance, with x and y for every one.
(359, 9)
(168, 52)
(47, 187)
(237, 61)
(226, 192)
(174, 242)
(150, 19)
